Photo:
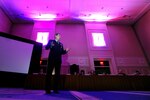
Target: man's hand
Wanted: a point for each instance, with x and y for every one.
(67, 49)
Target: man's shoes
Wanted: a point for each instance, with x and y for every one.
(56, 91)
(47, 91)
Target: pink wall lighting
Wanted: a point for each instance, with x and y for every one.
(95, 17)
(42, 37)
(44, 17)
(98, 39)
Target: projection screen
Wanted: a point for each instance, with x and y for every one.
(15, 55)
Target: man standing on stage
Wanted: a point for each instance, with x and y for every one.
(54, 61)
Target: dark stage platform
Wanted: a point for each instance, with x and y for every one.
(93, 82)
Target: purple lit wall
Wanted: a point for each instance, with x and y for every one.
(122, 44)
(5, 23)
(127, 50)
(74, 37)
(43, 26)
(142, 28)
(22, 30)
(124, 41)
(100, 52)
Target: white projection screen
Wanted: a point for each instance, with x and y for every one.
(15, 56)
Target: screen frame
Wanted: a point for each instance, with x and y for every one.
(34, 66)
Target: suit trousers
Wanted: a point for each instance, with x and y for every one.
(52, 64)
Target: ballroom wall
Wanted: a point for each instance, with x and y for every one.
(74, 37)
(22, 30)
(143, 32)
(5, 23)
(128, 45)
(127, 50)
(124, 50)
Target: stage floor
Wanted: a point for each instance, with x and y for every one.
(24, 94)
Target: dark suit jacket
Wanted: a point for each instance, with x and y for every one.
(56, 50)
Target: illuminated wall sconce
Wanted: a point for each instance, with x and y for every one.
(42, 37)
(98, 40)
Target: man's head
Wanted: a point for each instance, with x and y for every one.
(57, 36)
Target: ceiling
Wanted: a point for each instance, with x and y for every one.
(111, 11)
